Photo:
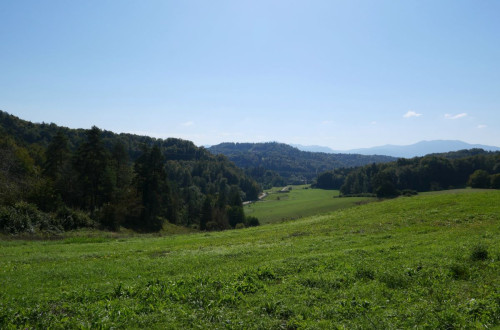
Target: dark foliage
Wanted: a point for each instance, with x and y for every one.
(116, 179)
(434, 172)
(277, 164)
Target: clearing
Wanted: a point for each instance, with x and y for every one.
(294, 202)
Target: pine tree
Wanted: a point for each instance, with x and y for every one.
(91, 163)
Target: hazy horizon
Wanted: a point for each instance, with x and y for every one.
(344, 75)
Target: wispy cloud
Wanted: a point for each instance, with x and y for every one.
(410, 114)
(187, 124)
(450, 116)
(373, 123)
(481, 126)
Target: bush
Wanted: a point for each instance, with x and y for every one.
(213, 226)
(252, 221)
(239, 226)
(495, 181)
(479, 179)
(409, 192)
(26, 218)
(71, 219)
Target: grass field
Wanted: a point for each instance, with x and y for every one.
(299, 202)
(429, 261)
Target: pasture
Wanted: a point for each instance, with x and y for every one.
(429, 261)
(298, 202)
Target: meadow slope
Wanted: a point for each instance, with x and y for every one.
(428, 261)
(298, 202)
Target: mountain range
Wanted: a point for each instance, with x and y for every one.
(418, 149)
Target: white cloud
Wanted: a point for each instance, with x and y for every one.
(460, 115)
(481, 126)
(410, 114)
(187, 124)
(373, 123)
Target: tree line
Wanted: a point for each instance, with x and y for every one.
(54, 178)
(277, 164)
(476, 168)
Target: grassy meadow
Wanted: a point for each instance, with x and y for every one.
(429, 261)
(298, 202)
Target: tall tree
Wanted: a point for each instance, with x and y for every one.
(56, 155)
(206, 213)
(91, 163)
(151, 181)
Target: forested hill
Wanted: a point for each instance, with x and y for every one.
(475, 167)
(77, 176)
(293, 165)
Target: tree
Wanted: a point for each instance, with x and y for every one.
(56, 155)
(151, 182)
(206, 213)
(495, 181)
(383, 184)
(235, 211)
(91, 163)
(479, 179)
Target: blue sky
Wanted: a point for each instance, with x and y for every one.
(343, 74)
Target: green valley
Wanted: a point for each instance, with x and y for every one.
(293, 202)
(429, 261)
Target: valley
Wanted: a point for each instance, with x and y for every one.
(428, 261)
(298, 201)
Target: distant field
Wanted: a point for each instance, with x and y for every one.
(429, 261)
(299, 202)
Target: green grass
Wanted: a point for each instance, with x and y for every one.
(299, 202)
(430, 261)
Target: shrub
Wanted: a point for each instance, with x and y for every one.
(251, 221)
(495, 181)
(71, 219)
(239, 226)
(409, 192)
(212, 226)
(26, 218)
(479, 179)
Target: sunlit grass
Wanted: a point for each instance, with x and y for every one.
(301, 201)
(430, 261)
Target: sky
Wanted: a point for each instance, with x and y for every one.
(342, 74)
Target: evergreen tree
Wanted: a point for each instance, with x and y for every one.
(56, 155)
(91, 163)
(206, 213)
(151, 181)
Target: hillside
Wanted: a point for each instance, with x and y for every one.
(293, 165)
(476, 168)
(295, 202)
(430, 261)
(115, 179)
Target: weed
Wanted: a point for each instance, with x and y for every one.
(479, 252)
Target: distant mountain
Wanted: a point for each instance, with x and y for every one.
(421, 148)
(292, 164)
